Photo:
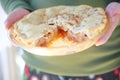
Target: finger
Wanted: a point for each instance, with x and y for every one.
(113, 11)
(113, 24)
(15, 16)
(9, 21)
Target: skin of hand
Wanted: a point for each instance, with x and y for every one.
(14, 16)
(113, 11)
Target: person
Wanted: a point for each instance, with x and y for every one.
(100, 62)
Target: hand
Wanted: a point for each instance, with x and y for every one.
(15, 16)
(113, 11)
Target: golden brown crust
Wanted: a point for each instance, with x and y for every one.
(61, 45)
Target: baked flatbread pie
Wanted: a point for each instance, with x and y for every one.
(60, 30)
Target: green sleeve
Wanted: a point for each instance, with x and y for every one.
(109, 1)
(10, 5)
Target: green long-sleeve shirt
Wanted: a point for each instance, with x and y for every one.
(95, 60)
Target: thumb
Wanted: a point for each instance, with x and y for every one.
(113, 24)
(15, 16)
(113, 11)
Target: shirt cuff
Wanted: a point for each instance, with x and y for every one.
(17, 4)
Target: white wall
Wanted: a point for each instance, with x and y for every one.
(1, 75)
(3, 42)
(9, 58)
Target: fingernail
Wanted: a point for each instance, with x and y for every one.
(98, 44)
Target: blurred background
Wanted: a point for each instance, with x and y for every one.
(11, 64)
